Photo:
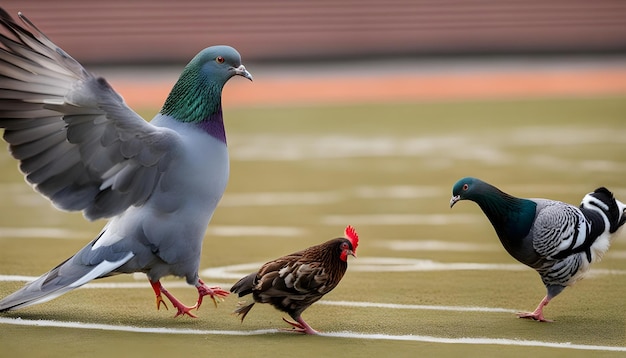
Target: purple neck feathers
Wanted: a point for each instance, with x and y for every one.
(214, 125)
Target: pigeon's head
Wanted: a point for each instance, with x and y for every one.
(465, 189)
(219, 64)
(603, 201)
(198, 92)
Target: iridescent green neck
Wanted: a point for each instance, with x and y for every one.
(194, 98)
(510, 216)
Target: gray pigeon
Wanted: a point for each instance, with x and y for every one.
(558, 240)
(80, 146)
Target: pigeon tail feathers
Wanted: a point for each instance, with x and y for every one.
(52, 285)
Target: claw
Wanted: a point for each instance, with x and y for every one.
(184, 310)
(181, 309)
(301, 326)
(217, 294)
(534, 316)
(159, 301)
(537, 314)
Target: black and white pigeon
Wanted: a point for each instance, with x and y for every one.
(559, 240)
(83, 148)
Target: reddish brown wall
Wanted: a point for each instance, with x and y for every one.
(133, 31)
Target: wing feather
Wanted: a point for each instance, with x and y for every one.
(29, 134)
(291, 275)
(558, 228)
(78, 143)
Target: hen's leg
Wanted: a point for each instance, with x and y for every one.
(300, 326)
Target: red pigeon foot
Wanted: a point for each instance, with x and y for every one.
(216, 293)
(181, 309)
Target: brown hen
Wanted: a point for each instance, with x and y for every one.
(294, 282)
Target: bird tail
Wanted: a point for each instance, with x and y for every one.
(244, 286)
(243, 309)
(61, 279)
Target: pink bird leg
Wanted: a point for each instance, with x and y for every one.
(300, 326)
(537, 314)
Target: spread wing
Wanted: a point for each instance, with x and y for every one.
(77, 142)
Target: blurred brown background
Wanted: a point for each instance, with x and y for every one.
(173, 31)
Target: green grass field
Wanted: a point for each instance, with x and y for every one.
(299, 175)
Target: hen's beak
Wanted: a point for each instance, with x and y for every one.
(454, 200)
(241, 71)
(352, 253)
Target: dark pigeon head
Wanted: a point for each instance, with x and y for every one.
(468, 188)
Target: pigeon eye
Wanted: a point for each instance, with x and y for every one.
(465, 186)
(219, 59)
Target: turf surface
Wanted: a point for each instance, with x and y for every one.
(298, 176)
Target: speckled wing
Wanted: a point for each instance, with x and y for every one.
(77, 142)
(559, 229)
(293, 277)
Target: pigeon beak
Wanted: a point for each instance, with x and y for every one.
(454, 200)
(241, 71)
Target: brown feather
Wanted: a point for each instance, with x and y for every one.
(294, 282)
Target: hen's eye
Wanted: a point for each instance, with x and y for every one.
(219, 59)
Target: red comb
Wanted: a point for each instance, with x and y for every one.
(352, 236)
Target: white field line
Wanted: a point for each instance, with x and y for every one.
(109, 285)
(392, 264)
(43, 232)
(404, 219)
(330, 197)
(111, 327)
(237, 230)
(345, 334)
(379, 264)
(397, 306)
(436, 245)
(144, 285)
(490, 148)
(362, 264)
(213, 230)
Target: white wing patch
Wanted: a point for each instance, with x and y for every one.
(102, 268)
